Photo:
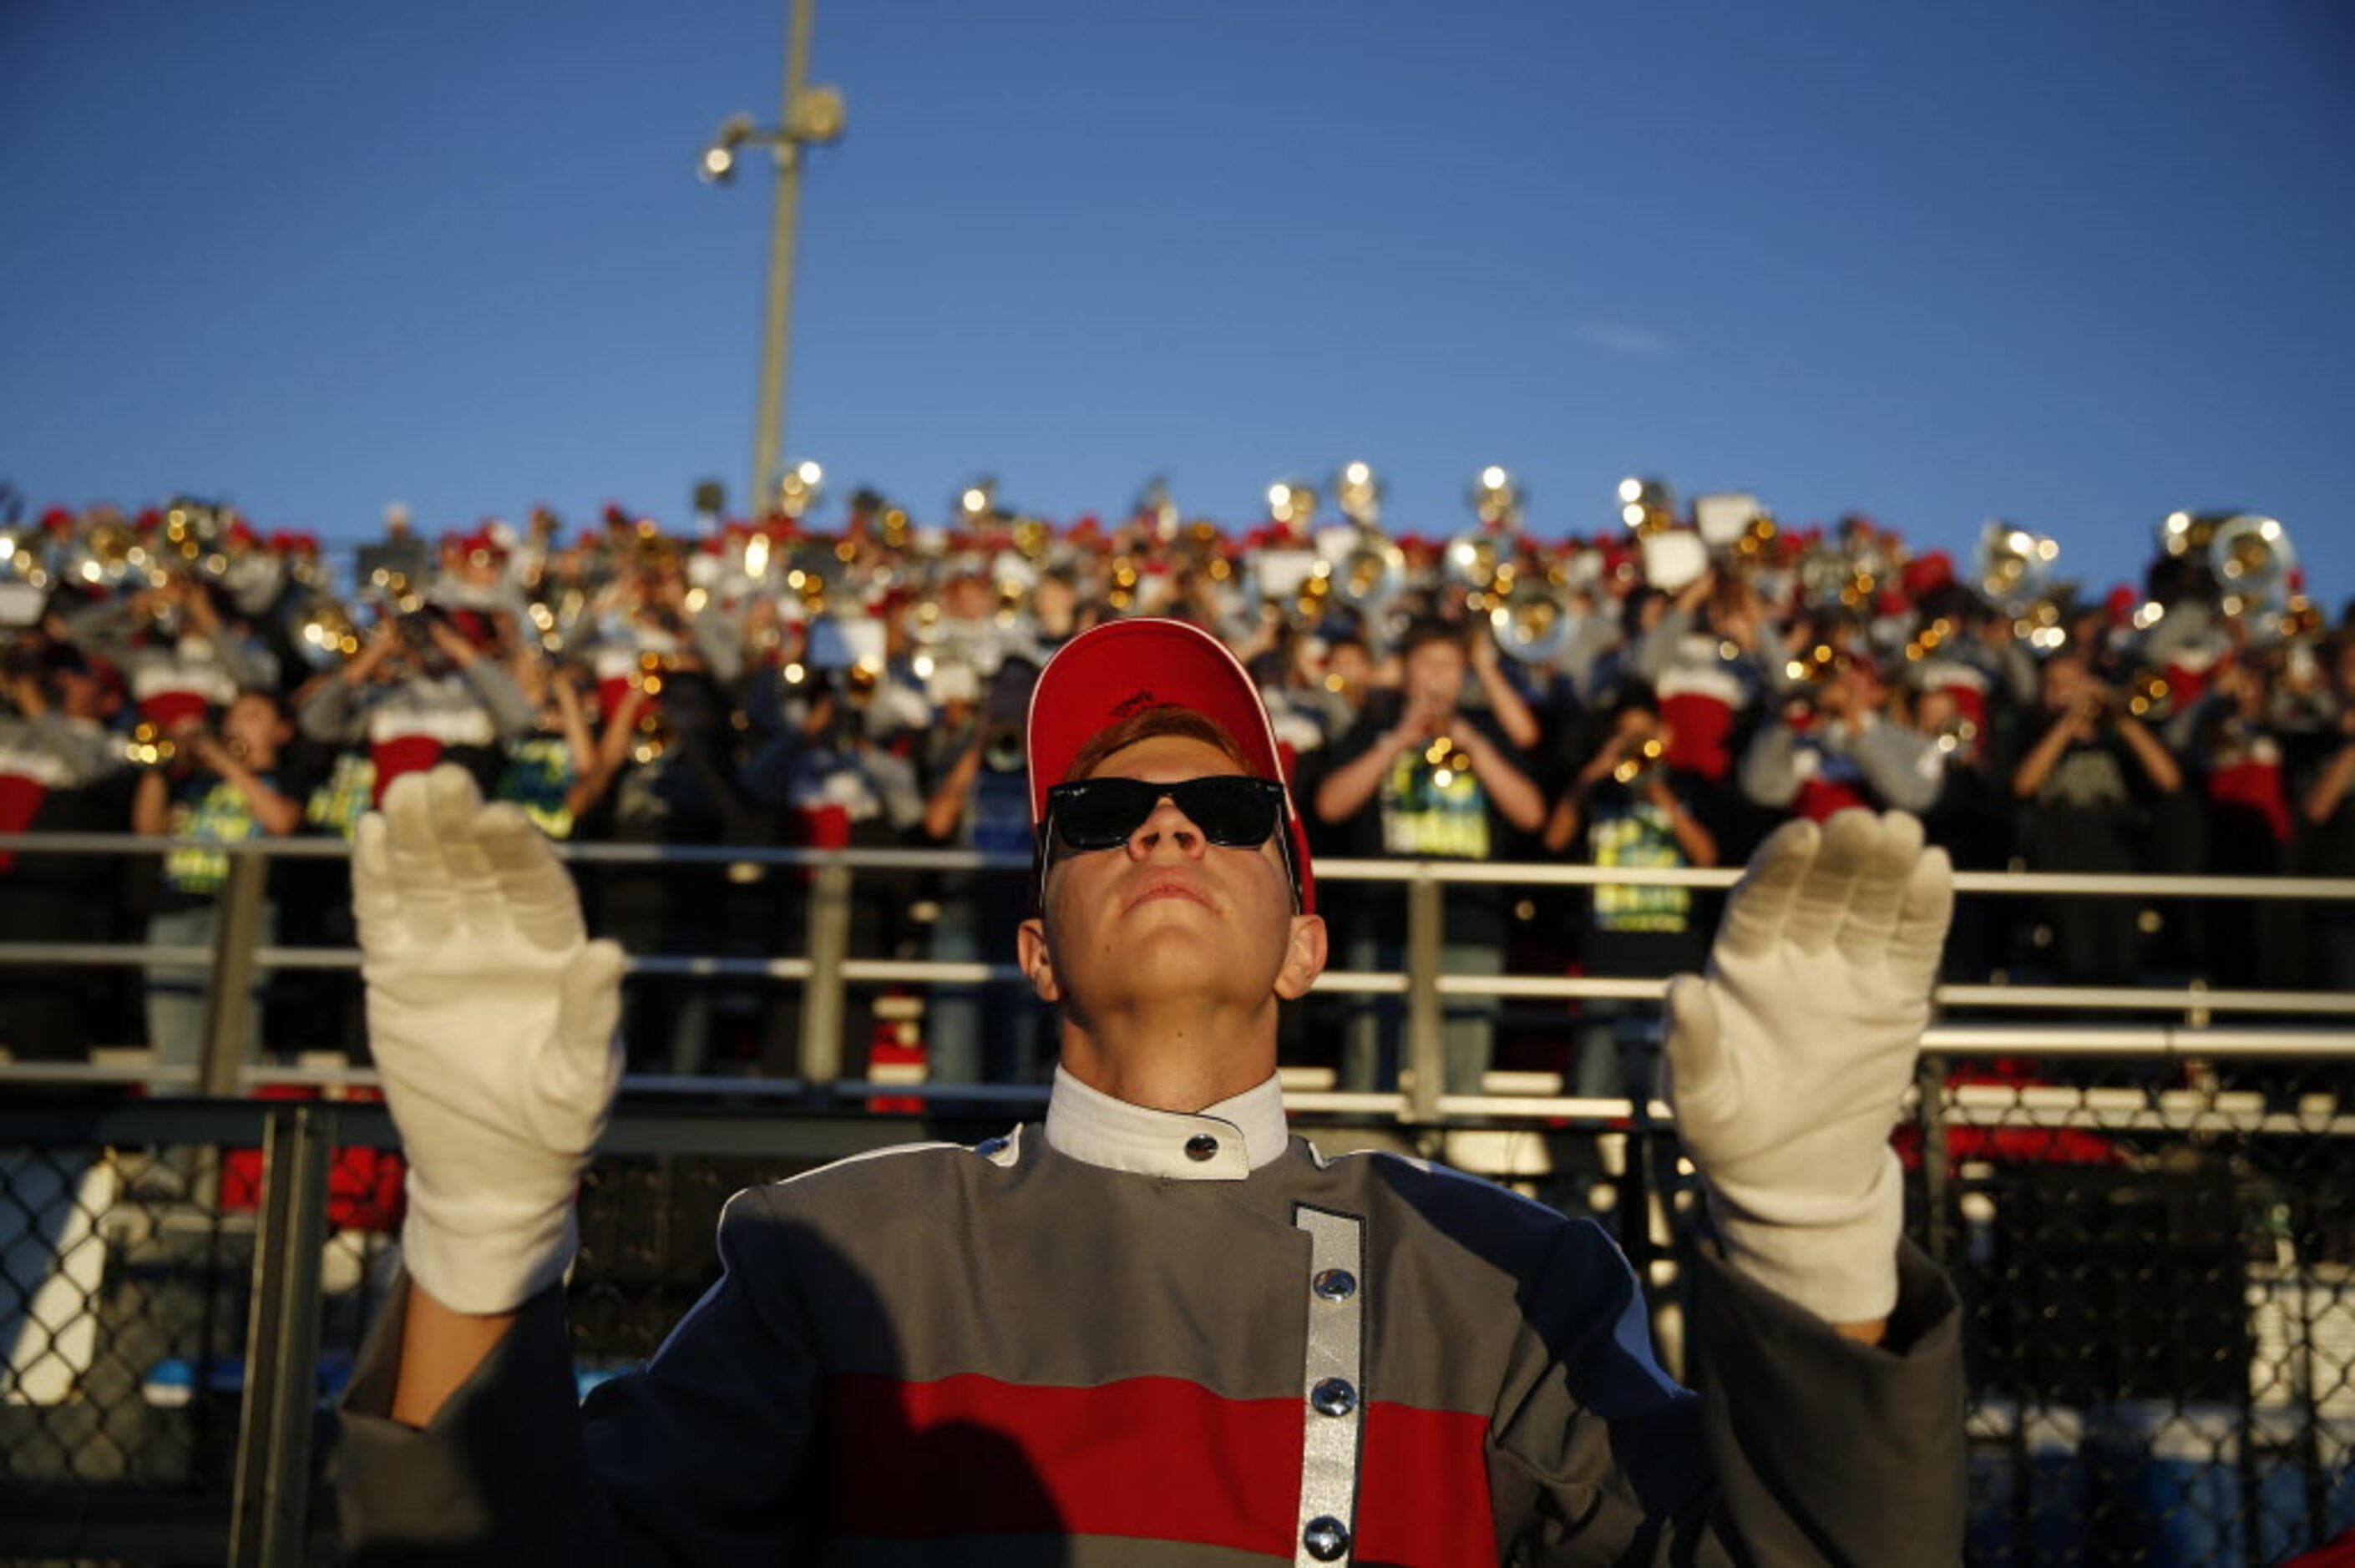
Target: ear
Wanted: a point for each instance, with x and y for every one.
(1031, 949)
(1304, 958)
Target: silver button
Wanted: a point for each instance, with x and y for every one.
(1326, 1538)
(1335, 1283)
(1333, 1396)
(1201, 1147)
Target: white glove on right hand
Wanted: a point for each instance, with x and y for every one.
(491, 1017)
(1788, 1061)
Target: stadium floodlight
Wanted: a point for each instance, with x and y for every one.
(806, 116)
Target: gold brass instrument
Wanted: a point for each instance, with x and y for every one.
(150, 745)
(1813, 665)
(1369, 579)
(2188, 534)
(1472, 561)
(108, 554)
(23, 560)
(320, 627)
(1495, 500)
(2145, 694)
(799, 487)
(1636, 768)
(1646, 506)
(1357, 493)
(1292, 504)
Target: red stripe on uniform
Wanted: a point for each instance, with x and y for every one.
(1423, 1489)
(1155, 1457)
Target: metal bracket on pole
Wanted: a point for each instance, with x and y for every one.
(271, 1499)
(1426, 1023)
(821, 1010)
(228, 1000)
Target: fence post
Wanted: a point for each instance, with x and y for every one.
(228, 999)
(271, 1499)
(1426, 1023)
(822, 1010)
(1937, 1195)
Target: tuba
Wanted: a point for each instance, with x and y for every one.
(2252, 561)
(1530, 621)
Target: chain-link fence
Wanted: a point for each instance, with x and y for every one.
(2157, 1266)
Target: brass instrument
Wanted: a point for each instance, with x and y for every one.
(1472, 561)
(150, 745)
(1645, 506)
(320, 627)
(1292, 504)
(1448, 760)
(799, 487)
(1531, 623)
(22, 561)
(1495, 500)
(1958, 734)
(1632, 771)
(1357, 493)
(108, 554)
(1369, 579)
(1002, 748)
(2013, 568)
(2252, 561)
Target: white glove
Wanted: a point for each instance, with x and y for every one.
(1787, 1063)
(491, 1017)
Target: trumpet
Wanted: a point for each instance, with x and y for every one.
(320, 627)
(150, 745)
(1636, 769)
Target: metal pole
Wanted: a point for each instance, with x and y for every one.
(777, 337)
(821, 1010)
(1426, 1023)
(228, 1000)
(273, 1490)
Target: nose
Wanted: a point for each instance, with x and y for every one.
(1166, 824)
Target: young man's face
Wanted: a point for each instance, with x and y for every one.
(1168, 913)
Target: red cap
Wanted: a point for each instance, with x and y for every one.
(1125, 667)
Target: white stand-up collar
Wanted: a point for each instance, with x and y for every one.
(1224, 1142)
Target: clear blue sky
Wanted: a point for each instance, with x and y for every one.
(2075, 265)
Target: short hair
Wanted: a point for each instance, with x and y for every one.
(1146, 725)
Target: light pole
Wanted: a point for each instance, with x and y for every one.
(806, 115)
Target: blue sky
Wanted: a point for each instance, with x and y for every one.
(2075, 265)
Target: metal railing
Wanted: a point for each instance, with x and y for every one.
(827, 969)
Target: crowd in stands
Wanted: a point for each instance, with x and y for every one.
(1657, 697)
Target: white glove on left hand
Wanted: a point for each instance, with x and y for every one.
(1788, 1062)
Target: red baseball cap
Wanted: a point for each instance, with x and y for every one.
(1124, 668)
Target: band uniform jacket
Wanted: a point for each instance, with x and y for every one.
(1129, 1336)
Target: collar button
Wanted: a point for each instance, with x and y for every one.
(1201, 1147)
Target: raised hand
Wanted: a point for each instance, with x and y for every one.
(490, 1016)
(1787, 1060)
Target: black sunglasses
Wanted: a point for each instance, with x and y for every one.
(1233, 812)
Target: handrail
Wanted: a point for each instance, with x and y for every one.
(826, 969)
(1449, 872)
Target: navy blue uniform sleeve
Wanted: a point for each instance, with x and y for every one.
(703, 1456)
(1800, 1446)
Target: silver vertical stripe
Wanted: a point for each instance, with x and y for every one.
(1329, 1447)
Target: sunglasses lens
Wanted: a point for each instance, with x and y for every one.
(1236, 813)
(1100, 813)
